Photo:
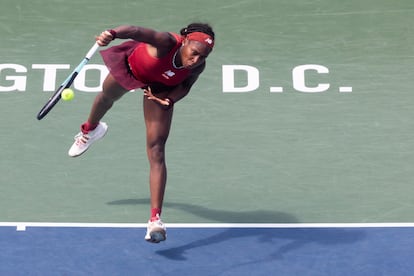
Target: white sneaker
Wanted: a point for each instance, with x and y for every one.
(83, 141)
(156, 231)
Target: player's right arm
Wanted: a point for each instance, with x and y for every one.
(159, 40)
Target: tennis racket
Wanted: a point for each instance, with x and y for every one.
(66, 84)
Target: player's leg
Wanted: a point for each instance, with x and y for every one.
(158, 123)
(111, 92)
(93, 129)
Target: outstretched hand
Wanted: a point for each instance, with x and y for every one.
(150, 96)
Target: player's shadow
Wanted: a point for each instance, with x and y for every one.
(285, 240)
(282, 240)
(258, 216)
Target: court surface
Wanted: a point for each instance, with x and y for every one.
(292, 155)
(208, 250)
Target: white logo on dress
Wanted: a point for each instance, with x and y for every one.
(168, 74)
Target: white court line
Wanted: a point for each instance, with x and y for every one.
(21, 226)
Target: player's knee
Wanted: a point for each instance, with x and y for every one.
(156, 153)
(105, 100)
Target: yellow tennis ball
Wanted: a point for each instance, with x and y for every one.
(67, 94)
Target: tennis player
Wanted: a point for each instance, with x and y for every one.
(165, 65)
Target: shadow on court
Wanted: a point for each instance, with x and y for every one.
(257, 216)
(283, 241)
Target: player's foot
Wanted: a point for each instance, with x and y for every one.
(83, 141)
(156, 231)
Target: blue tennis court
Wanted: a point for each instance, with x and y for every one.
(209, 250)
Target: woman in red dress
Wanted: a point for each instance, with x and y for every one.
(165, 65)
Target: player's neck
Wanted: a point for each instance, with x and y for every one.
(176, 61)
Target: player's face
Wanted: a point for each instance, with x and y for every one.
(193, 53)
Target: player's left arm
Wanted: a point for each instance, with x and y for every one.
(178, 92)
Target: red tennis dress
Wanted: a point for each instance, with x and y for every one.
(132, 66)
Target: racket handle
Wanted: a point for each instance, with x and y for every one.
(92, 51)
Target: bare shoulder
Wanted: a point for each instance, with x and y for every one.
(163, 40)
(158, 39)
(162, 44)
(195, 73)
(199, 69)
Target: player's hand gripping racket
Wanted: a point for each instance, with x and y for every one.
(66, 84)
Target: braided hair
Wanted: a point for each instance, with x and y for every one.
(198, 27)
